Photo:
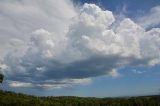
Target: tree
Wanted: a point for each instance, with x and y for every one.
(1, 78)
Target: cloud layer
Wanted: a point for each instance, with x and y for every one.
(54, 49)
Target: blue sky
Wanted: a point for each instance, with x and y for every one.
(88, 48)
(133, 7)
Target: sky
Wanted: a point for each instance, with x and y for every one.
(87, 48)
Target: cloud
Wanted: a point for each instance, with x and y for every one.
(19, 18)
(3, 67)
(65, 83)
(151, 19)
(64, 53)
(49, 84)
(138, 71)
(19, 84)
(114, 73)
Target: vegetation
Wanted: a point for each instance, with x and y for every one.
(1, 78)
(13, 99)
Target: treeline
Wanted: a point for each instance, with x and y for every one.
(16, 99)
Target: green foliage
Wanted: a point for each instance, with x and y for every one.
(1, 77)
(13, 99)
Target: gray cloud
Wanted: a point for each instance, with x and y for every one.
(19, 18)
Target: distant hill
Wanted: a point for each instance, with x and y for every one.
(16, 99)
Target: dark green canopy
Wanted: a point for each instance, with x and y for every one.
(1, 78)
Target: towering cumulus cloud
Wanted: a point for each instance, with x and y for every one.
(53, 48)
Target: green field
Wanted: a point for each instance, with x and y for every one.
(16, 99)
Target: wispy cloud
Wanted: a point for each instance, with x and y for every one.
(151, 19)
(138, 71)
(19, 84)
